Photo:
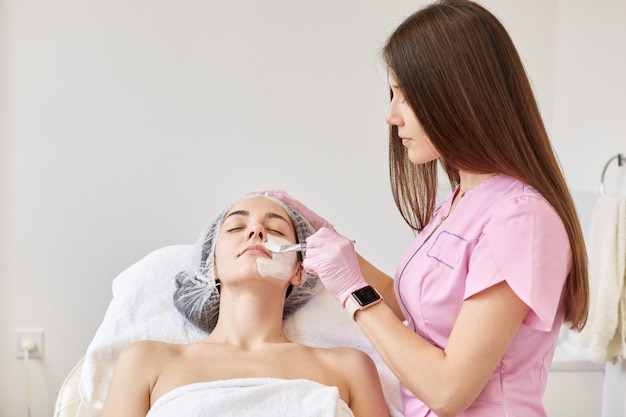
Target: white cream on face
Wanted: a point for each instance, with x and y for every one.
(281, 266)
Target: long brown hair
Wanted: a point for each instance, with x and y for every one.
(462, 76)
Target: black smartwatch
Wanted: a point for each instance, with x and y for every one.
(361, 299)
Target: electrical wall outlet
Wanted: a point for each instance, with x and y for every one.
(31, 339)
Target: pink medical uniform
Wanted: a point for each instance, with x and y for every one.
(502, 230)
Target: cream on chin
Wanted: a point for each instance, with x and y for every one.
(281, 266)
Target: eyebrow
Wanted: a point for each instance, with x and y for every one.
(268, 215)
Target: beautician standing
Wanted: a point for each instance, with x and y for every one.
(470, 323)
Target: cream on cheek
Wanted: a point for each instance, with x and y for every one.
(281, 266)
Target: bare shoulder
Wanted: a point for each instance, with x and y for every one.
(358, 370)
(346, 357)
(145, 346)
(352, 364)
(136, 371)
(148, 351)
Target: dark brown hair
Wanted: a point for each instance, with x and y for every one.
(462, 76)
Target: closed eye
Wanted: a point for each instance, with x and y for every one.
(276, 231)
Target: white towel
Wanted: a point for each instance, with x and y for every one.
(252, 397)
(141, 308)
(605, 332)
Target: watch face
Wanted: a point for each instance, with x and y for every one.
(366, 295)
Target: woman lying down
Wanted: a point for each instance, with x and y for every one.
(240, 292)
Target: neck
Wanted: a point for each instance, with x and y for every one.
(469, 181)
(249, 319)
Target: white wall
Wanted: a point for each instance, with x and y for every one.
(590, 91)
(127, 125)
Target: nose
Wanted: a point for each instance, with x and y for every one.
(257, 230)
(393, 117)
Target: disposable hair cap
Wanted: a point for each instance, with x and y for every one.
(196, 295)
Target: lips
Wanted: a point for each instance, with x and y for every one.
(257, 249)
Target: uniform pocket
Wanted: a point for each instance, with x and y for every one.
(447, 249)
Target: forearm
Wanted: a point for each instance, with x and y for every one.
(449, 380)
(383, 284)
(421, 367)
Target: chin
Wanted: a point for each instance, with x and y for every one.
(421, 158)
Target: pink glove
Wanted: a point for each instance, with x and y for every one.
(313, 218)
(332, 258)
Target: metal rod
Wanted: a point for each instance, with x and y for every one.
(621, 160)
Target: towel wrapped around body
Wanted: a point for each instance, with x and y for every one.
(256, 397)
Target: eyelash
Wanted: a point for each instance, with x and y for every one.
(402, 99)
(234, 229)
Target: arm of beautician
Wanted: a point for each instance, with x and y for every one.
(383, 284)
(333, 259)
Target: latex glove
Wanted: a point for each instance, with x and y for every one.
(333, 259)
(313, 218)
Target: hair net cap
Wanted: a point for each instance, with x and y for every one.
(196, 295)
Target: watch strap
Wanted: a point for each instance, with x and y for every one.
(352, 305)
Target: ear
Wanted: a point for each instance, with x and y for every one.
(296, 278)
